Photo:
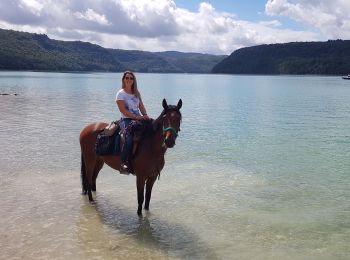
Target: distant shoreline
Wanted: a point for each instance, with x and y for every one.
(236, 74)
(22, 51)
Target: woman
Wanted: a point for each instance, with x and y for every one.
(131, 107)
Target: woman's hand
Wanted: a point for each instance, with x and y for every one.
(145, 117)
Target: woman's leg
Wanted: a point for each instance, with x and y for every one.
(127, 149)
(127, 143)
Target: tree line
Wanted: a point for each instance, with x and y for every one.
(323, 58)
(30, 51)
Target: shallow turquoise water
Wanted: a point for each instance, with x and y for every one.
(260, 169)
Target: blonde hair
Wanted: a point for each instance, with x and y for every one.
(134, 89)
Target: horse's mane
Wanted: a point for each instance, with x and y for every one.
(148, 128)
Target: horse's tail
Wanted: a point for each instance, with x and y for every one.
(83, 176)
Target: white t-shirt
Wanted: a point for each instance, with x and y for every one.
(131, 102)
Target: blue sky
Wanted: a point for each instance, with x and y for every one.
(244, 9)
(250, 10)
(212, 26)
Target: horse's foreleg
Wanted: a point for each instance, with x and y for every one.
(140, 183)
(149, 186)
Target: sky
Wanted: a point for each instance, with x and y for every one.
(213, 27)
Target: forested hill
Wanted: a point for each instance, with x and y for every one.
(28, 51)
(327, 58)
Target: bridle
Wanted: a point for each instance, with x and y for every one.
(167, 125)
(170, 127)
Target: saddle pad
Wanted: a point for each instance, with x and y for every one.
(107, 145)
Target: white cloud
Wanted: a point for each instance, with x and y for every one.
(331, 18)
(33, 6)
(160, 25)
(272, 23)
(91, 15)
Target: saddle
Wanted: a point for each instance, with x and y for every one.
(110, 141)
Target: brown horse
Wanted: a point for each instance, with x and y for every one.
(147, 162)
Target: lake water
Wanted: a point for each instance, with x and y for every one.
(261, 169)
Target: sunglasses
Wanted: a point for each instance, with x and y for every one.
(131, 78)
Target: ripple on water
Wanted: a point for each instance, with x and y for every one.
(259, 171)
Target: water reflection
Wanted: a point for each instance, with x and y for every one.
(107, 230)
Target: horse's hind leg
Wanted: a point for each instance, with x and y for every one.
(84, 183)
(89, 186)
(98, 167)
(87, 174)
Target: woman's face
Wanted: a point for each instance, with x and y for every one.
(128, 79)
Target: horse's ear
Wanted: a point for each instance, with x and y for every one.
(165, 104)
(179, 104)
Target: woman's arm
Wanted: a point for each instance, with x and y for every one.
(142, 108)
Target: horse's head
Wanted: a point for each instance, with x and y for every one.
(171, 120)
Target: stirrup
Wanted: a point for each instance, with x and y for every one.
(124, 169)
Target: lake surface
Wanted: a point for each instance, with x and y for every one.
(261, 169)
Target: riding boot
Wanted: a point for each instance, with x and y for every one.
(125, 166)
